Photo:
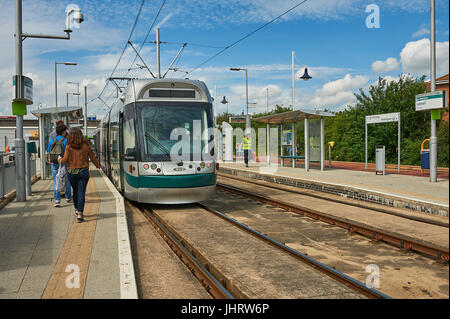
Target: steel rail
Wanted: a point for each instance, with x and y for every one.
(333, 273)
(211, 284)
(378, 209)
(440, 254)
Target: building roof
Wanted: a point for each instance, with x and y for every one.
(440, 80)
(292, 116)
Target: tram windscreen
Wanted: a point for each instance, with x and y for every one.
(160, 121)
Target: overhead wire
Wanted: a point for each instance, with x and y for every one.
(123, 51)
(125, 47)
(246, 36)
(198, 45)
(145, 39)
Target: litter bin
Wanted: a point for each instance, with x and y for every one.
(424, 160)
(380, 159)
(424, 157)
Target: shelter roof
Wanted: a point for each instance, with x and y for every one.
(292, 116)
(71, 111)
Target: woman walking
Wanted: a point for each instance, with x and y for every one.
(77, 154)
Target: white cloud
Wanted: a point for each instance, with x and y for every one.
(424, 30)
(346, 83)
(338, 92)
(163, 21)
(388, 79)
(415, 57)
(391, 64)
(332, 100)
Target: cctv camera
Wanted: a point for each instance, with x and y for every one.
(78, 17)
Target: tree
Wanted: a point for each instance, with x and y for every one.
(347, 127)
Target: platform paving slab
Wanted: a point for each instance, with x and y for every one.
(38, 242)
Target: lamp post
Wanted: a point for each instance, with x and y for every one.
(247, 119)
(67, 97)
(304, 77)
(78, 91)
(56, 82)
(85, 111)
(19, 102)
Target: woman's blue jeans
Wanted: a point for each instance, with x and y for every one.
(79, 183)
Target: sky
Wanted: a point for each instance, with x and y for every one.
(339, 41)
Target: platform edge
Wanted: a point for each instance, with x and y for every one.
(128, 287)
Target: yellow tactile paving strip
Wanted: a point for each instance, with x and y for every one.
(68, 279)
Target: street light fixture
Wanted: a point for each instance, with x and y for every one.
(305, 75)
(247, 119)
(224, 101)
(56, 82)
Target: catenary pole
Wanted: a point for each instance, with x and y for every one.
(158, 65)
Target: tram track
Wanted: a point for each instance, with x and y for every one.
(375, 234)
(328, 271)
(335, 200)
(145, 215)
(208, 281)
(215, 281)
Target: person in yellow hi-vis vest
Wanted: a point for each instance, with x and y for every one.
(246, 148)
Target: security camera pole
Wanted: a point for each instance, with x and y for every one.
(23, 93)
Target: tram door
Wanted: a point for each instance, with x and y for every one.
(121, 152)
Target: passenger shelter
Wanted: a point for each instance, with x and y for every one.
(314, 135)
(47, 123)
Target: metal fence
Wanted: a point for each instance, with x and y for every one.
(8, 172)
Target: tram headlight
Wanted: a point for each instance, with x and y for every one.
(146, 166)
(153, 166)
(202, 164)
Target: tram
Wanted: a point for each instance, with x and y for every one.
(156, 143)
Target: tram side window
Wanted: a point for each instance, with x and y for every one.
(129, 138)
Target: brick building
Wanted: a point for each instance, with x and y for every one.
(441, 85)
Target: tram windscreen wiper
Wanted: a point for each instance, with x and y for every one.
(157, 144)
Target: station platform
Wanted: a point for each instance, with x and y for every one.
(395, 190)
(45, 253)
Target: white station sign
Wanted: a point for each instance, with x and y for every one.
(383, 118)
(23, 89)
(430, 101)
